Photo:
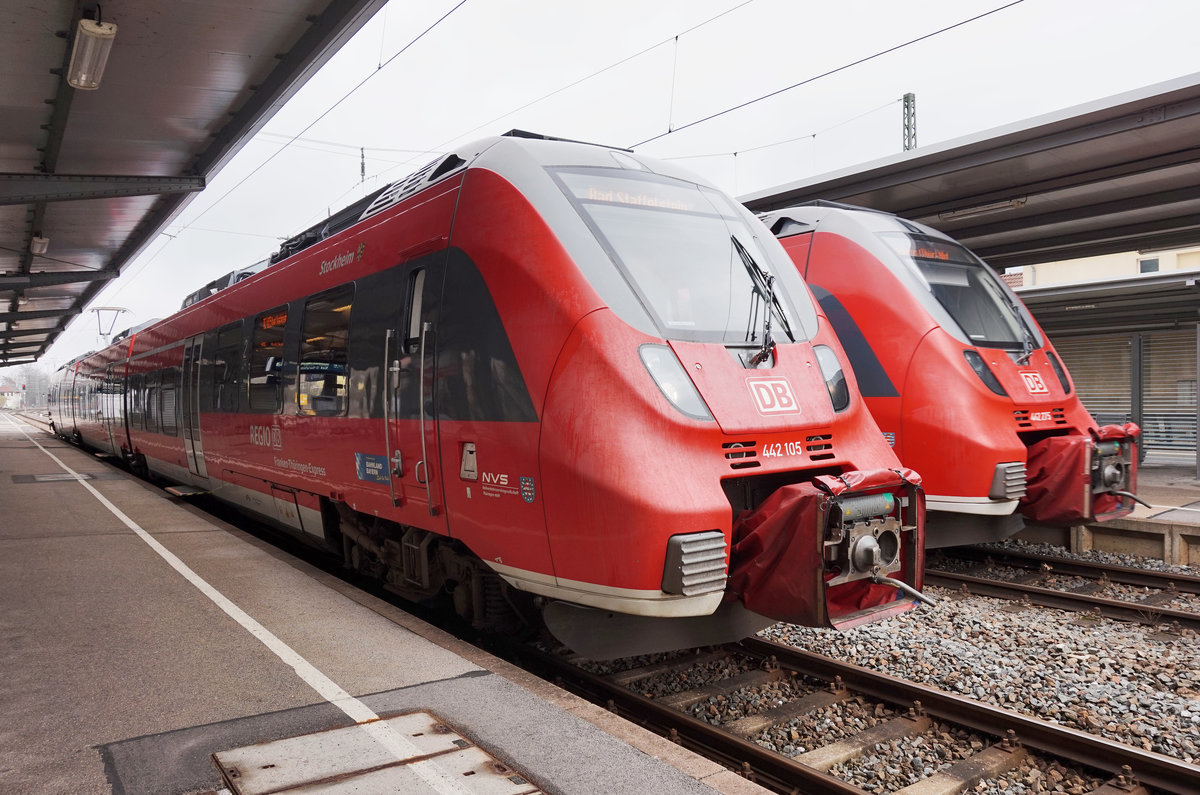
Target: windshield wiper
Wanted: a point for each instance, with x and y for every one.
(1028, 343)
(764, 286)
(768, 342)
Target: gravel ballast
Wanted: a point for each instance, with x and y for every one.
(1122, 681)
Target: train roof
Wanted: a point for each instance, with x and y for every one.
(804, 217)
(489, 152)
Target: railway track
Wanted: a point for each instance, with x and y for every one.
(905, 711)
(908, 710)
(1090, 581)
(40, 420)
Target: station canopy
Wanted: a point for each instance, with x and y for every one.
(1119, 174)
(1116, 175)
(89, 176)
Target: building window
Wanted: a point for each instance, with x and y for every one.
(324, 353)
(1148, 265)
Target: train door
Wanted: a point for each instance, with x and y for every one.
(112, 408)
(70, 402)
(410, 353)
(192, 443)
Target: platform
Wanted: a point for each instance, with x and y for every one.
(144, 642)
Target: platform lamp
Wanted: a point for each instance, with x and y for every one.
(89, 53)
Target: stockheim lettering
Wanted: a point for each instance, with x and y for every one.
(340, 261)
(266, 436)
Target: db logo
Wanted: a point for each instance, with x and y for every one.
(1034, 383)
(773, 395)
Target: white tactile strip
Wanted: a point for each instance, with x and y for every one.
(434, 758)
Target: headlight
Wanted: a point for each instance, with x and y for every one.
(1059, 371)
(673, 381)
(985, 374)
(835, 379)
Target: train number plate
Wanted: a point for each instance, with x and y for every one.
(782, 449)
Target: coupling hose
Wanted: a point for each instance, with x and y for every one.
(879, 579)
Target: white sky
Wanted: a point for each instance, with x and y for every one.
(491, 64)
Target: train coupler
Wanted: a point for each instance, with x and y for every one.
(808, 554)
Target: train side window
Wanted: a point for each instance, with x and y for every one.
(227, 368)
(137, 403)
(324, 353)
(266, 361)
(170, 404)
(152, 410)
(416, 289)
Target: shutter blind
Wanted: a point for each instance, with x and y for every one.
(1169, 390)
(1099, 366)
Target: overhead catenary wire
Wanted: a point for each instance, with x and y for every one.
(828, 73)
(142, 265)
(298, 137)
(333, 107)
(441, 147)
(675, 40)
(599, 72)
(793, 139)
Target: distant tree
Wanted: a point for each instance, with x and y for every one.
(36, 382)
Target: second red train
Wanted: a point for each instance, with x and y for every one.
(963, 382)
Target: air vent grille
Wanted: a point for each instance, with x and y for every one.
(741, 455)
(1008, 481)
(819, 447)
(695, 563)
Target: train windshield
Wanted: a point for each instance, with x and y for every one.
(966, 287)
(689, 254)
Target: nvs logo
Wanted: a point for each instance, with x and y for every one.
(773, 396)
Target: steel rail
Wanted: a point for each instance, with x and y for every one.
(1149, 768)
(1124, 575)
(1064, 600)
(768, 768)
(34, 419)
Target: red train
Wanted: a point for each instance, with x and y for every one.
(959, 376)
(535, 379)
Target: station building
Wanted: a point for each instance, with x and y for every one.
(1125, 325)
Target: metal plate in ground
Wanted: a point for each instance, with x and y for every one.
(413, 753)
(60, 477)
